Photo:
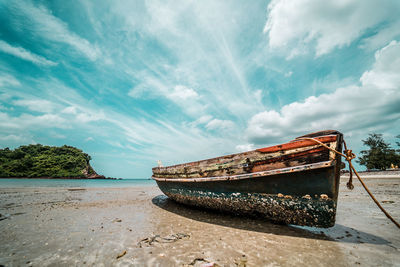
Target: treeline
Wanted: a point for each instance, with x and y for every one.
(44, 161)
(380, 155)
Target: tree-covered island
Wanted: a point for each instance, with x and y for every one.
(39, 161)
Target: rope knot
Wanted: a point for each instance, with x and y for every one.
(349, 154)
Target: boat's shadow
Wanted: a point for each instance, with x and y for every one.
(338, 233)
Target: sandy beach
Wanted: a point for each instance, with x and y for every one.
(141, 227)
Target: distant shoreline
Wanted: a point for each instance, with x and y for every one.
(376, 173)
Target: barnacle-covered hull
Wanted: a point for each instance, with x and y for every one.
(303, 192)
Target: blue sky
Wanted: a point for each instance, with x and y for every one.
(133, 82)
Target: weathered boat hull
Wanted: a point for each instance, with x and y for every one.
(267, 197)
(303, 195)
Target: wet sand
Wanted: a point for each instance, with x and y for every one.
(141, 227)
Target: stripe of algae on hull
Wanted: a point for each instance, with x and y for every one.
(318, 211)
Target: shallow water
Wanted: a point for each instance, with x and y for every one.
(23, 182)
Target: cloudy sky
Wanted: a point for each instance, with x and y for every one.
(133, 82)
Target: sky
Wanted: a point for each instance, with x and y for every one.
(134, 82)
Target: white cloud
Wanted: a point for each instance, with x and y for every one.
(217, 124)
(88, 117)
(148, 87)
(289, 73)
(331, 24)
(39, 105)
(42, 22)
(70, 110)
(154, 86)
(54, 134)
(25, 54)
(83, 115)
(383, 36)
(373, 103)
(181, 92)
(203, 119)
(8, 80)
(30, 122)
(244, 148)
(385, 73)
(12, 138)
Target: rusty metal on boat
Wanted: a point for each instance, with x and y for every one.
(292, 183)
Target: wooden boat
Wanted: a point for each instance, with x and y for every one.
(292, 183)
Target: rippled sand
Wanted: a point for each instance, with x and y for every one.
(141, 227)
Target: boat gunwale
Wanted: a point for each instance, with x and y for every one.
(302, 143)
(305, 167)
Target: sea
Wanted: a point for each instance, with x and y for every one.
(22, 183)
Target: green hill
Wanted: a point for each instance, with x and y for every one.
(36, 161)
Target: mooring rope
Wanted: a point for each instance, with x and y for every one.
(349, 155)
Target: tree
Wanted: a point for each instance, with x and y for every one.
(380, 155)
